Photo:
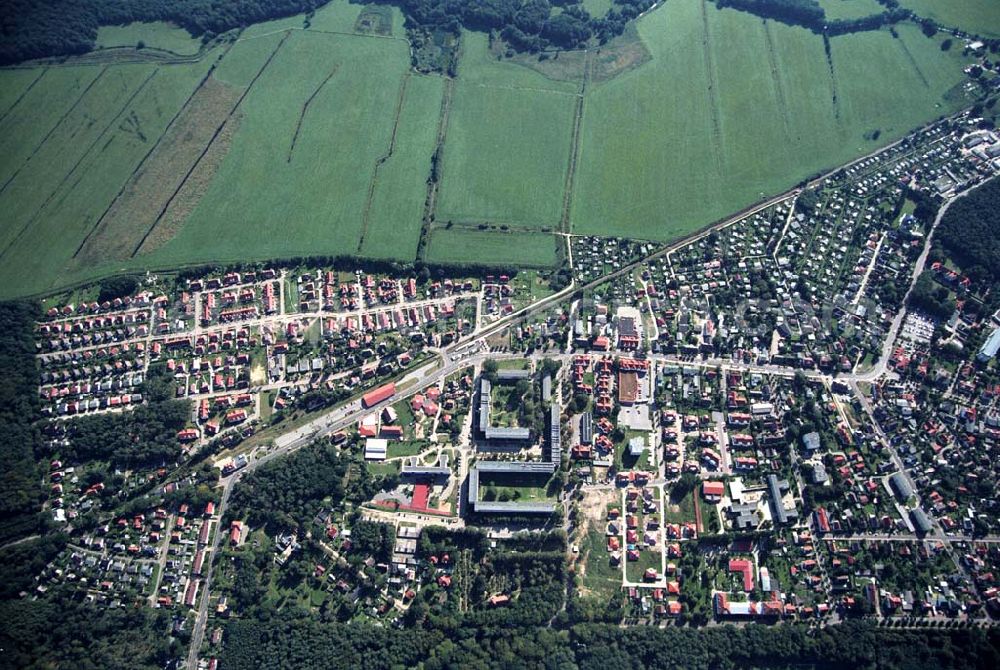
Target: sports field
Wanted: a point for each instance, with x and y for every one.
(468, 245)
(732, 108)
(980, 17)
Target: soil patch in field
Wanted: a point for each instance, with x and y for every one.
(375, 20)
(193, 188)
(146, 195)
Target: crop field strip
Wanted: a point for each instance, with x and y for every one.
(366, 212)
(395, 213)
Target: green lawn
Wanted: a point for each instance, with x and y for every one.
(976, 16)
(731, 109)
(466, 245)
(401, 449)
(505, 156)
(155, 35)
(850, 9)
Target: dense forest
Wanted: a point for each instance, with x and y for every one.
(68, 634)
(970, 232)
(21, 492)
(305, 643)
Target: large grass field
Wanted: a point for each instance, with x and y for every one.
(155, 35)
(312, 136)
(731, 109)
(467, 245)
(980, 17)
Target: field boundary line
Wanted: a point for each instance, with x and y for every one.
(574, 147)
(381, 160)
(828, 49)
(913, 61)
(23, 93)
(305, 108)
(58, 123)
(779, 86)
(83, 157)
(529, 89)
(208, 145)
(713, 96)
(146, 157)
(437, 160)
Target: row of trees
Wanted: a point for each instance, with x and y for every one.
(21, 493)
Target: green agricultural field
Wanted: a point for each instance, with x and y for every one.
(980, 17)
(397, 206)
(57, 194)
(850, 9)
(154, 35)
(508, 142)
(466, 245)
(732, 109)
(317, 160)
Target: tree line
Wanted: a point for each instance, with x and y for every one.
(21, 491)
(305, 643)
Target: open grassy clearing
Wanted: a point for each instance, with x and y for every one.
(397, 206)
(850, 9)
(312, 129)
(731, 109)
(337, 16)
(466, 245)
(154, 35)
(597, 7)
(75, 179)
(506, 156)
(479, 65)
(976, 16)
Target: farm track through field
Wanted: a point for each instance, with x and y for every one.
(83, 157)
(23, 93)
(430, 203)
(366, 214)
(714, 108)
(833, 77)
(779, 86)
(208, 145)
(913, 62)
(531, 89)
(305, 108)
(144, 160)
(574, 147)
(58, 123)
